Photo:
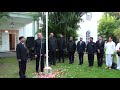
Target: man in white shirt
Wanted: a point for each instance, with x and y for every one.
(110, 49)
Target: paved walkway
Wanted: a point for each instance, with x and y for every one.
(7, 54)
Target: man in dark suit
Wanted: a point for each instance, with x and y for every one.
(52, 46)
(71, 48)
(81, 49)
(40, 51)
(22, 56)
(100, 51)
(91, 49)
(61, 47)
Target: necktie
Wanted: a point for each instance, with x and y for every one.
(80, 42)
(24, 45)
(100, 41)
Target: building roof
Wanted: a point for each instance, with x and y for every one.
(19, 19)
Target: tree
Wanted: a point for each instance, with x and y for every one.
(107, 26)
(114, 14)
(117, 33)
(65, 23)
(4, 16)
(117, 17)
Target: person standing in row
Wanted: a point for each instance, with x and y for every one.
(81, 49)
(71, 48)
(40, 51)
(110, 49)
(52, 46)
(91, 49)
(100, 51)
(118, 55)
(61, 47)
(22, 56)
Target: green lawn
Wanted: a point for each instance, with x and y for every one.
(9, 69)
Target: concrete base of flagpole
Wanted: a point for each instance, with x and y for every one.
(47, 71)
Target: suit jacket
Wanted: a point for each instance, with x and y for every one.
(61, 43)
(71, 47)
(21, 52)
(40, 48)
(52, 44)
(91, 48)
(100, 46)
(81, 47)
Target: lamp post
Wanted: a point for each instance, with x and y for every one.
(12, 25)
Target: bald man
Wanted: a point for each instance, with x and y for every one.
(52, 46)
(81, 49)
(40, 51)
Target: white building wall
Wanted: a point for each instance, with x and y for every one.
(25, 31)
(5, 42)
(28, 30)
(91, 25)
(21, 31)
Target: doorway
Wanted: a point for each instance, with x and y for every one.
(12, 41)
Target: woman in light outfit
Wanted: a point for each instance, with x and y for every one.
(110, 49)
(118, 57)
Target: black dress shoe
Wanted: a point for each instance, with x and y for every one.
(54, 64)
(89, 66)
(49, 64)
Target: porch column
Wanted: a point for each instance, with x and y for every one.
(37, 24)
(36, 27)
(33, 26)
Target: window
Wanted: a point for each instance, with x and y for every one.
(87, 36)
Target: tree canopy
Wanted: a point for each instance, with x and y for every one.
(117, 33)
(65, 23)
(109, 26)
(114, 14)
(4, 16)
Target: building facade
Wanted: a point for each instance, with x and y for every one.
(88, 28)
(23, 25)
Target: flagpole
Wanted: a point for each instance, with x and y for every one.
(46, 39)
(47, 69)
